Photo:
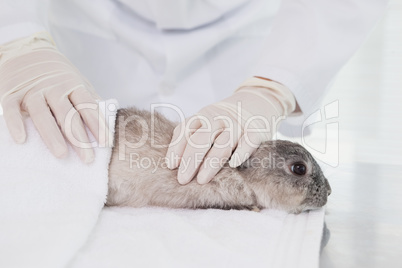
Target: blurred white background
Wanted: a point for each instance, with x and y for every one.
(364, 212)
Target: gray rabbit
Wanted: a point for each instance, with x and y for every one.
(280, 174)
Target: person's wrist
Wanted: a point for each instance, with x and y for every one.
(261, 82)
(297, 109)
(270, 90)
(267, 79)
(22, 46)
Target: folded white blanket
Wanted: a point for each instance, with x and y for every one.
(157, 237)
(49, 218)
(48, 206)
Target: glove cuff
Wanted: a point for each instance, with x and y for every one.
(24, 45)
(281, 93)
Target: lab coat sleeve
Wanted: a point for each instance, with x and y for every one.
(311, 40)
(20, 18)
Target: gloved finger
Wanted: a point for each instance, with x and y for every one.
(197, 147)
(91, 90)
(181, 134)
(85, 103)
(216, 157)
(14, 121)
(72, 127)
(248, 144)
(46, 125)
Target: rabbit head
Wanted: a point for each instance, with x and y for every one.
(284, 175)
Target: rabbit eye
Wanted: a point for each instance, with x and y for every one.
(298, 169)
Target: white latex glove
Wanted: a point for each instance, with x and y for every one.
(36, 79)
(238, 124)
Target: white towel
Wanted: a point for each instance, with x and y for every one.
(48, 206)
(157, 237)
(49, 212)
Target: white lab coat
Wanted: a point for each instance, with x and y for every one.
(191, 53)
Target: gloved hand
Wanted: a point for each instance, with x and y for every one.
(204, 142)
(36, 79)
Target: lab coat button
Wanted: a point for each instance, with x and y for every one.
(166, 89)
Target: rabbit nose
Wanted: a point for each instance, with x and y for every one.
(329, 190)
